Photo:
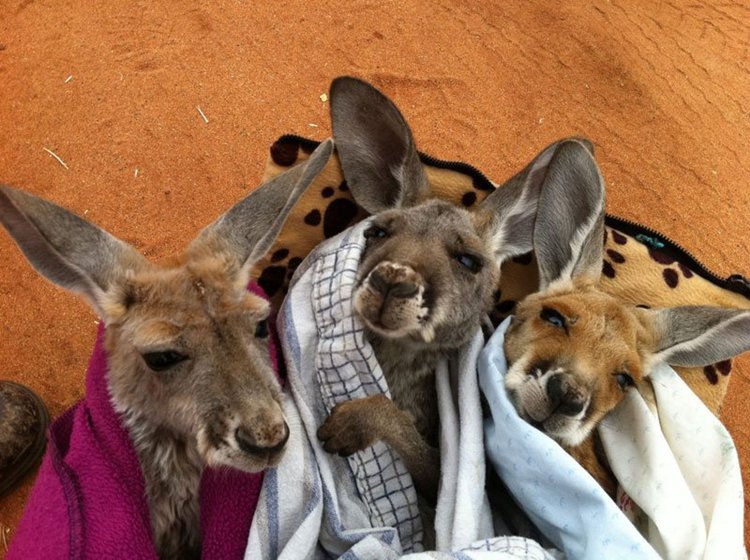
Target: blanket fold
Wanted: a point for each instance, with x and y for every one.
(318, 505)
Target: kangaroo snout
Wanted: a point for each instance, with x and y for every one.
(391, 299)
(386, 281)
(564, 397)
(258, 440)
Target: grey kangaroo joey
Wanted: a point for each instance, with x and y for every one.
(428, 272)
(189, 368)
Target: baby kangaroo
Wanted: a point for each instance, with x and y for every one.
(427, 275)
(189, 367)
(573, 350)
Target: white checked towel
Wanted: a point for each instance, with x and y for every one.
(318, 505)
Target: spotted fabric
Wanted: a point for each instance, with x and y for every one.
(637, 269)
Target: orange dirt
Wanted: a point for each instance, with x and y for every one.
(663, 90)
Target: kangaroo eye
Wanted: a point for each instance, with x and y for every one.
(375, 232)
(553, 317)
(470, 262)
(625, 381)
(261, 329)
(162, 361)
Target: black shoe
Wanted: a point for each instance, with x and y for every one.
(23, 433)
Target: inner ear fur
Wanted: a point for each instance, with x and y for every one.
(554, 206)
(247, 230)
(65, 248)
(693, 336)
(376, 148)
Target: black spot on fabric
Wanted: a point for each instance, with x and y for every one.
(615, 256)
(686, 272)
(710, 373)
(725, 367)
(660, 256)
(338, 216)
(671, 277)
(279, 255)
(522, 259)
(293, 263)
(619, 238)
(505, 307)
(272, 279)
(480, 185)
(284, 153)
(468, 199)
(608, 270)
(343, 187)
(313, 217)
(327, 192)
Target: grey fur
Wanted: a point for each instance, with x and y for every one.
(421, 255)
(220, 405)
(380, 163)
(64, 248)
(572, 206)
(700, 335)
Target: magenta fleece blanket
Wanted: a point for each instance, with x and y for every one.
(89, 498)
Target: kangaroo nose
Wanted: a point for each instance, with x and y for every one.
(563, 397)
(380, 284)
(249, 443)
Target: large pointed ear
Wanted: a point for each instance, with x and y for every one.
(697, 335)
(555, 206)
(569, 228)
(67, 249)
(248, 229)
(376, 148)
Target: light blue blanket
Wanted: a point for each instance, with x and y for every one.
(559, 496)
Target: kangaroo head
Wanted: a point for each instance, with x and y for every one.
(188, 346)
(430, 269)
(574, 350)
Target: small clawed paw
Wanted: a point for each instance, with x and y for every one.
(345, 431)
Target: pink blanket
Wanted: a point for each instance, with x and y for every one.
(89, 497)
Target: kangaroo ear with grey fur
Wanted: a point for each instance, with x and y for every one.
(249, 228)
(569, 228)
(64, 248)
(695, 335)
(376, 148)
(555, 206)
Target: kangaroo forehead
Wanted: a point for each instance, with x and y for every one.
(187, 289)
(430, 220)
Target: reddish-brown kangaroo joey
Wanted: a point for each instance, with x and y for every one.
(573, 350)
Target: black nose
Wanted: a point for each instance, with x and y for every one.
(250, 445)
(399, 289)
(564, 398)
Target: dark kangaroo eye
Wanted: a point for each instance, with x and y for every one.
(553, 317)
(162, 361)
(625, 381)
(470, 262)
(261, 329)
(375, 232)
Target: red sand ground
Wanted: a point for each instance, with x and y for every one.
(663, 89)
